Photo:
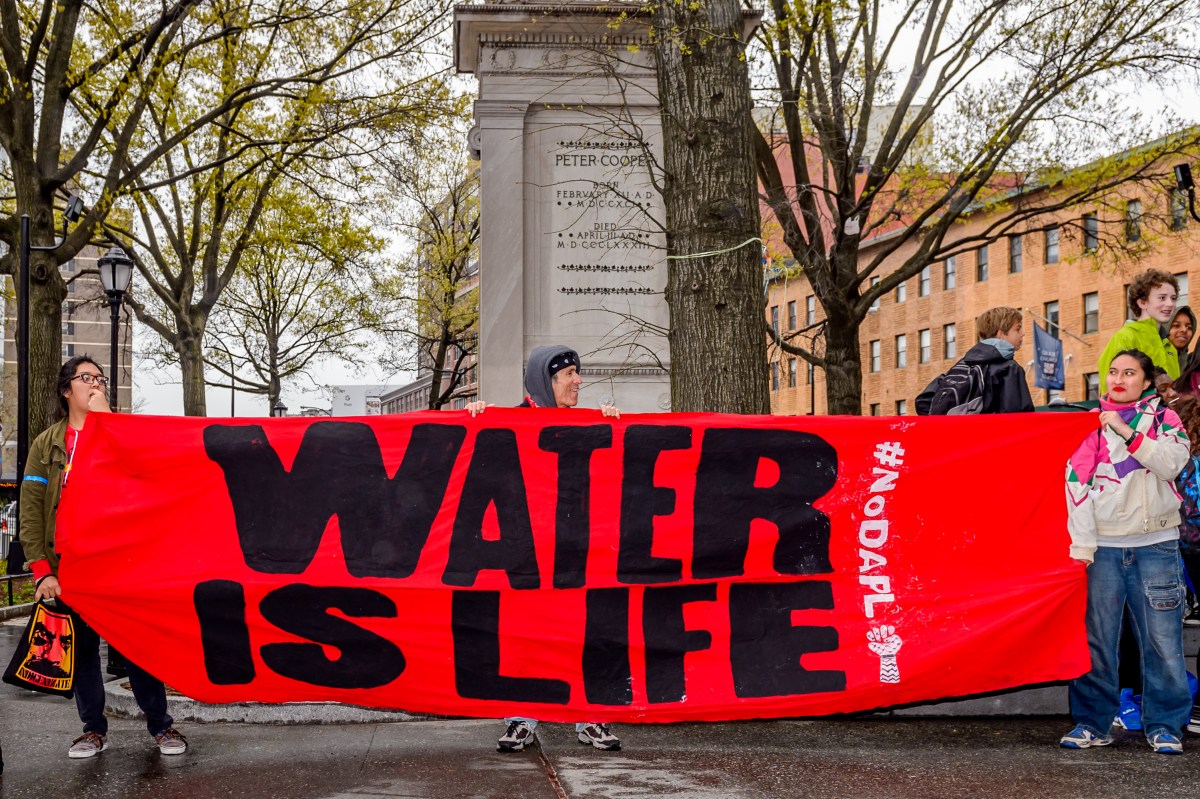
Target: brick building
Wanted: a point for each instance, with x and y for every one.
(1058, 270)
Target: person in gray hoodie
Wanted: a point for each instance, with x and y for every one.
(552, 380)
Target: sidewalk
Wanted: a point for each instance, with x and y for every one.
(880, 757)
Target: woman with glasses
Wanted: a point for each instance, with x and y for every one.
(81, 390)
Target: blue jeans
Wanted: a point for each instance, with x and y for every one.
(1149, 580)
(149, 692)
(534, 722)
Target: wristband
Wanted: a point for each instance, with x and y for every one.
(1132, 436)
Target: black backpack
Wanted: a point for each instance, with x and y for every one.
(959, 391)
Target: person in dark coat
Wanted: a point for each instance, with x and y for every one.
(1001, 333)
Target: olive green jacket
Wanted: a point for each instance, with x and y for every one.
(40, 492)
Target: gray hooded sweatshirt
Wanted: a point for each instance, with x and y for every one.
(538, 383)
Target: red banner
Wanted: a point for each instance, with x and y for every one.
(565, 566)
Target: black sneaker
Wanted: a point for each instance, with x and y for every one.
(518, 735)
(1193, 618)
(1193, 724)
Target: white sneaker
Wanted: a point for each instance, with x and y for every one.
(600, 736)
(518, 735)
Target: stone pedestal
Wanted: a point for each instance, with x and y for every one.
(572, 246)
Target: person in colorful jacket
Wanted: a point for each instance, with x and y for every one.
(81, 390)
(1123, 519)
(1152, 297)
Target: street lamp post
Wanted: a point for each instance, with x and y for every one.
(1185, 183)
(279, 409)
(116, 270)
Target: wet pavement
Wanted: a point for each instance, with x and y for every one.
(877, 757)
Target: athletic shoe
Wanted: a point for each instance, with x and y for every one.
(1193, 724)
(170, 742)
(1083, 738)
(1166, 744)
(89, 744)
(1129, 717)
(1193, 618)
(600, 736)
(518, 735)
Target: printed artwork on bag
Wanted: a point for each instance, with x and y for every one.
(46, 661)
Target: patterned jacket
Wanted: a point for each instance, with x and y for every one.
(1116, 489)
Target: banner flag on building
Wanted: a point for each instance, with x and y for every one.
(563, 565)
(1048, 359)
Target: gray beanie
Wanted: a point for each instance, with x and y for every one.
(544, 362)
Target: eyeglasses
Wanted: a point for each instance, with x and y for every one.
(91, 379)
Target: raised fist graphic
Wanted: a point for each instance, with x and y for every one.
(884, 642)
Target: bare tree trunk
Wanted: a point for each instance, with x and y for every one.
(191, 363)
(46, 293)
(843, 365)
(718, 351)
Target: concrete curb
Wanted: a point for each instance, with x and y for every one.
(119, 702)
(15, 611)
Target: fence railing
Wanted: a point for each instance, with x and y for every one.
(9, 581)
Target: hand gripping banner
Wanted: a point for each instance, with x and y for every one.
(566, 566)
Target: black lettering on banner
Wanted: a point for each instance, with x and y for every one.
(475, 625)
(281, 516)
(667, 640)
(727, 500)
(367, 660)
(224, 636)
(606, 672)
(642, 500)
(493, 478)
(765, 648)
(572, 529)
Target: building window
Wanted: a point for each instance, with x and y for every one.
(1179, 209)
(775, 318)
(70, 286)
(1051, 244)
(874, 408)
(901, 351)
(69, 309)
(875, 355)
(68, 328)
(69, 266)
(1091, 386)
(68, 350)
(1014, 254)
(902, 292)
(949, 341)
(1091, 232)
(925, 343)
(949, 274)
(1181, 299)
(791, 315)
(901, 408)
(875, 305)
(791, 372)
(981, 264)
(1050, 311)
(1133, 221)
(923, 282)
(1091, 312)
(812, 374)
(810, 310)
(774, 375)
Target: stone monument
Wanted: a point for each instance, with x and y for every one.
(572, 244)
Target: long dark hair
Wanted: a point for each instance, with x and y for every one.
(1188, 409)
(66, 373)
